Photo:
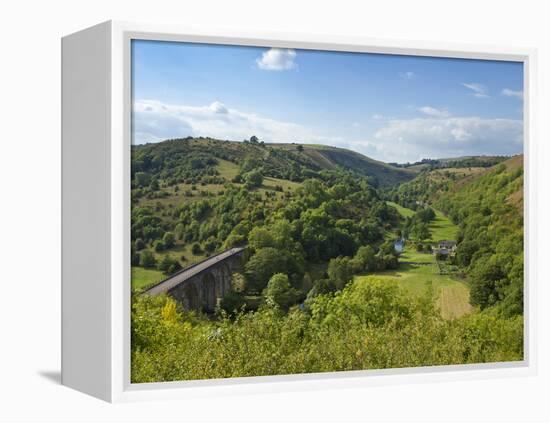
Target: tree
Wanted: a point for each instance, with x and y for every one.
(142, 179)
(232, 302)
(196, 249)
(168, 265)
(139, 244)
(158, 245)
(254, 139)
(268, 261)
(260, 237)
(210, 244)
(340, 271)
(280, 292)
(147, 259)
(168, 239)
(421, 231)
(367, 257)
(254, 178)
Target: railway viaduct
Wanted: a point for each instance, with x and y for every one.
(200, 286)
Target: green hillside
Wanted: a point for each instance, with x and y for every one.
(488, 208)
(328, 157)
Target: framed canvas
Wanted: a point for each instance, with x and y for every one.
(266, 212)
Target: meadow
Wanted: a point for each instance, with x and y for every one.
(418, 273)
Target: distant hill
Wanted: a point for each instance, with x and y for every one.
(452, 162)
(330, 157)
(284, 161)
(431, 184)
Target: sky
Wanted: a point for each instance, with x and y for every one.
(392, 108)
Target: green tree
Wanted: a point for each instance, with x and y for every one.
(421, 231)
(367, 257)
(254, 178)
(158, 245)
(196, 249)
(280, 292)
(168, 265)
(268, 261)
(340, 271)
(169, 239)
(139, 244)
(147, 259)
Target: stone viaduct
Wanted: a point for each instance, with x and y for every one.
(200, 286)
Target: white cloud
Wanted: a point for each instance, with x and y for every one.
(414, 139)
(431, 111)
(218, 107)
(396, 141)
(156, 121)
(479, 90)
(407, 75)
(277, 59)
(511, 93)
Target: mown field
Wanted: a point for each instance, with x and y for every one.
(418, 271)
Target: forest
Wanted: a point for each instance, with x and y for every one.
(350, 263)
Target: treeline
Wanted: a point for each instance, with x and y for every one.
(421, 191)
(193, 161)
(370, 324)
(489, 212)
(460, 162)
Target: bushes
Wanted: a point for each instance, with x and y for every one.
(279, 292)
(147, 259)
(369, 325)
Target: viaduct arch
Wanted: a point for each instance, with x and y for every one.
(200, 286)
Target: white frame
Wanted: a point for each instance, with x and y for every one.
(113, 346)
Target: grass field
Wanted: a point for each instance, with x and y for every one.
(417, 270)
(142, 277)
(403, 211)
(441, 228)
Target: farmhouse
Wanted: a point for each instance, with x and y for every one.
(444, 249)
(449, 245)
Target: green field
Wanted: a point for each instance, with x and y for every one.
(417, 270)
(142, 277)
(403, 211)
(441, 228)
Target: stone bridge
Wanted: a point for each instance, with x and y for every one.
(198, 287)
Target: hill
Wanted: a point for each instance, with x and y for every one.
(294, 162)
(328, 157)
(488, 207)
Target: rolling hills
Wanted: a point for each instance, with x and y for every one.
(284, 161)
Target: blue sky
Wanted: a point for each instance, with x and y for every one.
(389, 107)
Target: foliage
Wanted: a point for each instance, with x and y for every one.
(147, 259)
(369, 325)
(491, 236)
(279, 292)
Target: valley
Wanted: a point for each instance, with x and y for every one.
(320, 274)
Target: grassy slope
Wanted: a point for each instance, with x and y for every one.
(328, 157)
(417, 270)
(228, 170)
(142, 277)
(403, 211)
(441, 228)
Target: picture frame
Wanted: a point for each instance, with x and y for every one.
(96, 131)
